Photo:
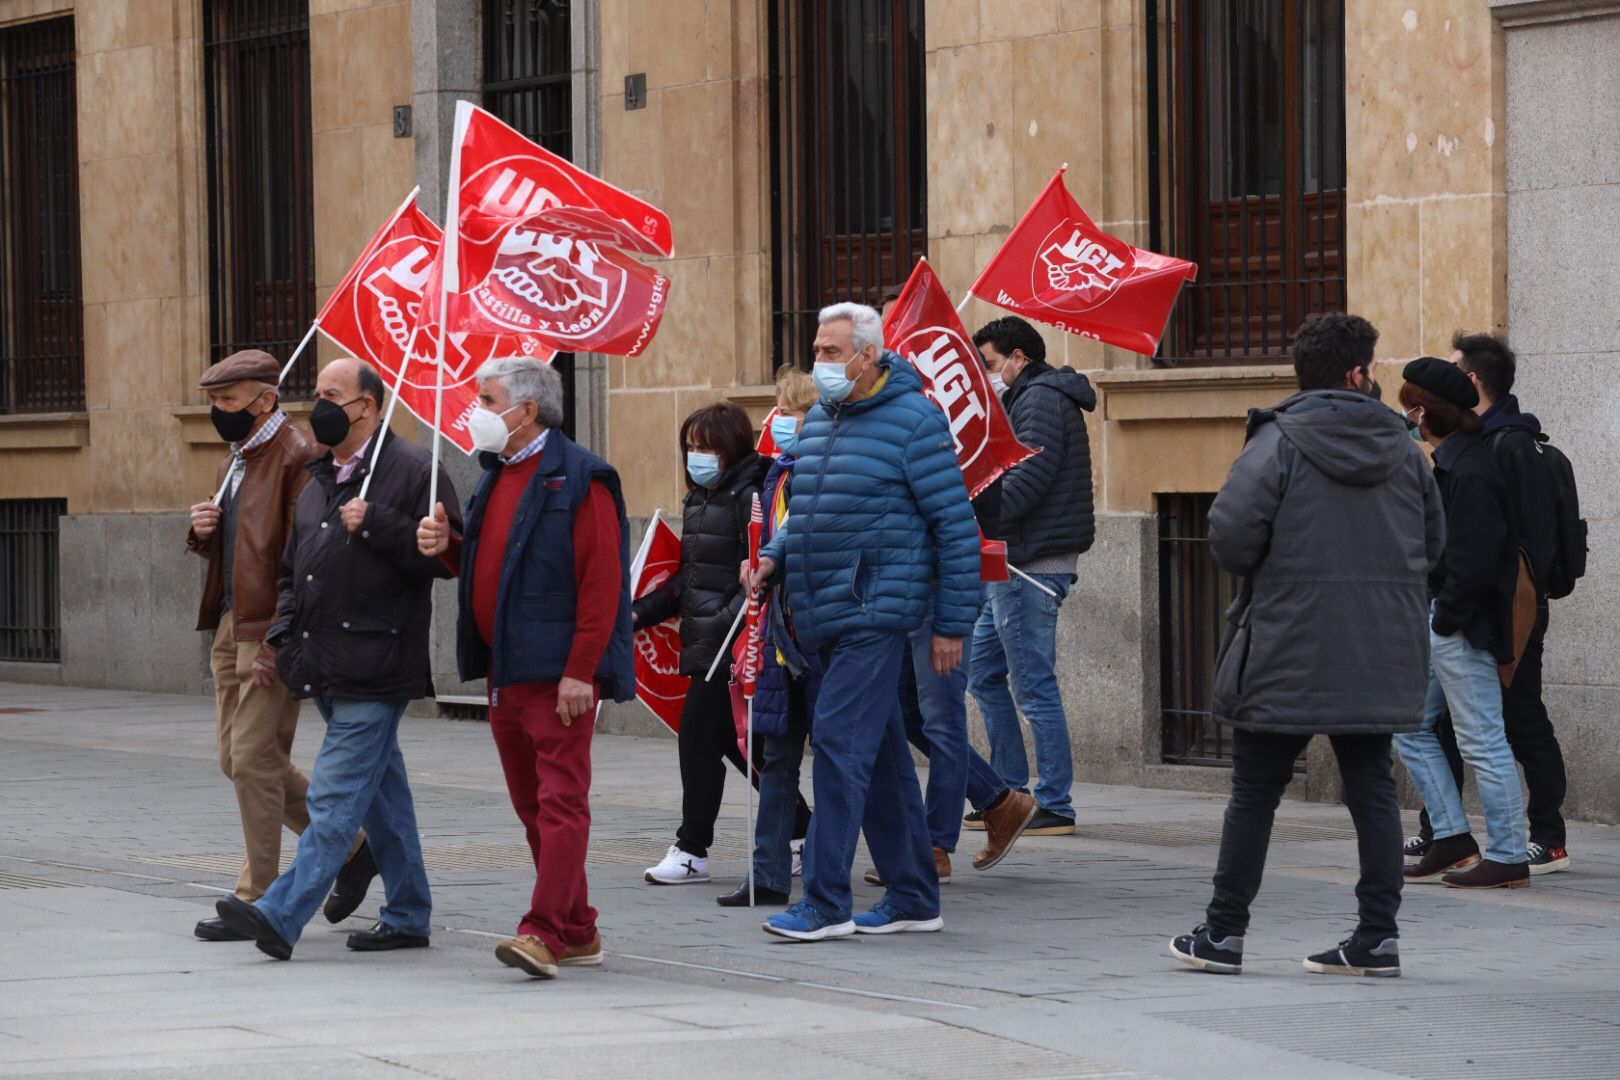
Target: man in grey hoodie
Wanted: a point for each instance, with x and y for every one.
(1332, 516)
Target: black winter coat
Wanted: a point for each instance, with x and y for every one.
(1043, 505)
(354, 610)
(1473, 585)
(705, 592)
(1331, 514)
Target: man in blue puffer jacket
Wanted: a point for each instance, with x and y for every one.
(879, 521)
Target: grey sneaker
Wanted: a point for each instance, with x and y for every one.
(1200, 950)
(1355, 958)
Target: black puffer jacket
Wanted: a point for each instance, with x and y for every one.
(1044, 504)
(714, 543)
(1331, 514)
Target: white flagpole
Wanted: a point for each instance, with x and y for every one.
(449, 281)
(291, 360)
(726, 644)
(748, 774)
(1032, 581)
(382, 432)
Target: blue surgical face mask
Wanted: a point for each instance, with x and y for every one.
(1412, 427)
(703, 467)
(831, 379)
(785, 433)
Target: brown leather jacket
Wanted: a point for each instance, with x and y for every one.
(270, 485)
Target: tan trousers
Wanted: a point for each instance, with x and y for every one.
(256, 728)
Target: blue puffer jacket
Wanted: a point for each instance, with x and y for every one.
(774, 690)
(879, 519)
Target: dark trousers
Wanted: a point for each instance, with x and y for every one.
(1262, 766)
(708, 739)
(1534, 743)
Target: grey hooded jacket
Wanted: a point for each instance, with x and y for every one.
(1332, 515)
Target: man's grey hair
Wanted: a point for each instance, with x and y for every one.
(528, 379)
(865, 325)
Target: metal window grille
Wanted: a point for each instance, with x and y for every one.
(1253, 188)
(261, 181)
(528, 83)
(1194, 593)
(41, 305)
(848, 158)
(30, 603)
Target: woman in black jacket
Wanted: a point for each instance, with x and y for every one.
(723, 475)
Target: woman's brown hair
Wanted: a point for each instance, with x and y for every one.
(1440, 416)
(723, 428)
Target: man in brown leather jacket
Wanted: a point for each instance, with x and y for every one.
(242, 537)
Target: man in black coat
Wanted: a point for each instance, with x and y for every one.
(1331, 515)
(351, 632)
(1515, 439)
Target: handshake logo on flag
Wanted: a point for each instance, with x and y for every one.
(1088, 265)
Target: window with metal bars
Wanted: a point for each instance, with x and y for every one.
(1194, 593)
(41, 305)
(848, 141)
(528, 83)
(30, 601)
(1252, 185)
(261, 181)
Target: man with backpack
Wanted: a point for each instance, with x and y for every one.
(1548, 528)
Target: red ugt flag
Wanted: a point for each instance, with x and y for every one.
(767, 442)
(1059, 268)
(377, 314)
(923, 328)
(659, 683)
(538, 241)
(748, 653)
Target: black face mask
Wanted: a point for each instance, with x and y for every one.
(232, 426)
(329, 421)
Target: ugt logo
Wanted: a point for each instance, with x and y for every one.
(558, 286)
(947, 364)
(1080, 268)
(393, 288)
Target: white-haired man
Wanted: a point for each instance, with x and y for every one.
(879, 540)
(545, 617)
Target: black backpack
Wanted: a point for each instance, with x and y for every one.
(1569, 552)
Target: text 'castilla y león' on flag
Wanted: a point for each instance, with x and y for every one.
(1058, 268)
(535, 260)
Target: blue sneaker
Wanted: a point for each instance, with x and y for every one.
(802, 922)
(883, 919)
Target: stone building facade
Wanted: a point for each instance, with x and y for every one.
(1432, 166)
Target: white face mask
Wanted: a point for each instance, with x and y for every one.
(997, 383)
(488, 430)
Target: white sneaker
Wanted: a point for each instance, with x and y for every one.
(678, 868)
(797, 847)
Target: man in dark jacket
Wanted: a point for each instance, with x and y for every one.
(1515, 439)
(545, 617)
(242, 537)
(879, 533)
(1331, 516)
(1043, 510)
(351, 632)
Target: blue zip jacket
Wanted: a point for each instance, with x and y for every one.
(879, 518)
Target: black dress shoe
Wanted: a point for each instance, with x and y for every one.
(763, 897)
(382, 937)
(247, 920)
(352, 882)
(216, 930)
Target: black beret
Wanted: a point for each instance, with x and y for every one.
(1443, 379)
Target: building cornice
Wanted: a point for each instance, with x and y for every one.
(1516, 13)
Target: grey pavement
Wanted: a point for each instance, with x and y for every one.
(117, 832)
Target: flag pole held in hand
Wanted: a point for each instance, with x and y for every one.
(291, 360)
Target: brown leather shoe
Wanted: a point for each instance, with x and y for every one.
(942, 864)
(1003, 825)
(1489, 874)
(872, 877)
(527, 953)
(583, 955)
(1452, 853)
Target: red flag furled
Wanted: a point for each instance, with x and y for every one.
(767, 442)
(659, 683)
(993, 559)
(923, 328)
(538, 246)
(1057, 267)
(748, 654)
(377, 314)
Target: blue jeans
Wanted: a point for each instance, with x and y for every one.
(1015, 656)
(983, 782)
(781, 756)
(864, 778)
(938, 727)
(358, 779)
(1464, 680)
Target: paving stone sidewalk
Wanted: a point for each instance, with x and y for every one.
(117, 832)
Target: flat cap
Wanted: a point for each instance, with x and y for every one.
(254, 364)
(1443, 379)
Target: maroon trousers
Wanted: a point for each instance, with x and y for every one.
(548, 776)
